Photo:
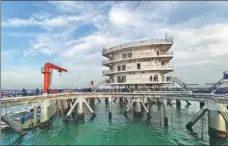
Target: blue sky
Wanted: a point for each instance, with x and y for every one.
(72, 34)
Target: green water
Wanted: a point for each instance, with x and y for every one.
(120, 130)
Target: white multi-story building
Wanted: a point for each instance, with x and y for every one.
(139, 63)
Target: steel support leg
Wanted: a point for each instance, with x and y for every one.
(146, 109)
(188, 102)
(72, 108)
(129, 106)
(114, 100)
(89, 108)
(195, 119)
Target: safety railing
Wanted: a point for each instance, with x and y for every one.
(139, 56)
(137, 43)
(143, 68)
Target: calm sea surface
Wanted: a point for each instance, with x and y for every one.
(120, 130)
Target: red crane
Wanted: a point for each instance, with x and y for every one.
(47, 71)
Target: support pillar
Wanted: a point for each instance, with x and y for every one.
(80, 109)
(145, 101)
(121, 100)
(158, 101)
(110, 107)
(61, 107)
(216, 122)
(178, 104)
(146, 109)
(138, 107)
(165, 112)
(106, 100)
(169, 101)
(65, 105)
(45, 114)
(35, 115)
(68, 104)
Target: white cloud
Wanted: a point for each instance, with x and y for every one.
(59, 21)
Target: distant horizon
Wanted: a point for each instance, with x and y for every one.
(72, 34)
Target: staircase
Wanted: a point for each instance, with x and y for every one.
(97, 86)
(216, 85)
(179, 82)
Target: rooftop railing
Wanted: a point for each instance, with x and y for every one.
(137, 43)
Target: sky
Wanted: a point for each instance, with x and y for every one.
(72, 34)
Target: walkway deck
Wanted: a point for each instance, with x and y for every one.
(182, 95)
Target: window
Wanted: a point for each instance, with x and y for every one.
(156, 78)
(162, 63)
(151, 78)
(123, 67)
(118, 68)
(157, 53)
(129, 55)
(118, 79)
(123, 79)
(124, 56)
(138, 66)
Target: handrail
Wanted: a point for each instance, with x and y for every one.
(128, 68)
(145, 55)
(136, 43)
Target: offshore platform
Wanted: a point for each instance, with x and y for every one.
(136, 77)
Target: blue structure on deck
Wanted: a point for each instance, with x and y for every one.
(221, 87)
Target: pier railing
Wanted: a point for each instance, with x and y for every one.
(15, 93)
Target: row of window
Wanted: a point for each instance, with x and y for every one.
(129, 55)
(123, 67)
(123, 79)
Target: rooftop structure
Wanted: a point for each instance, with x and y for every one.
(139, 63)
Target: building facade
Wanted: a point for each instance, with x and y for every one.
(139, 63)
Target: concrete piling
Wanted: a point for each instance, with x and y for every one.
(216, 122)
(121, 100)
(35, 115)
(80, 110)
(110, 107)
(178, 104)
(165, 112)
(45, 114)
(106, 100)
(137, 107)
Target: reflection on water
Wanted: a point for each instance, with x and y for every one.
(130, 130)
